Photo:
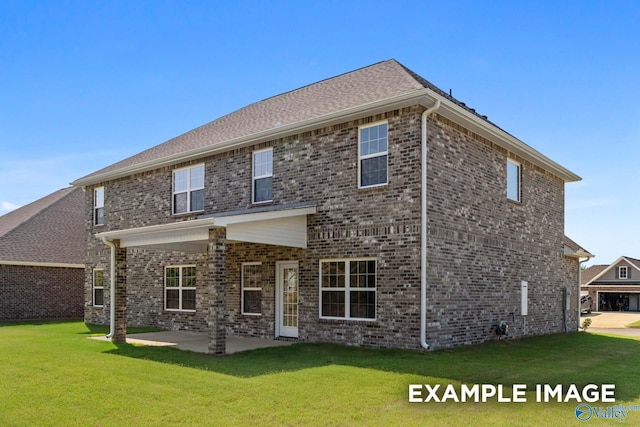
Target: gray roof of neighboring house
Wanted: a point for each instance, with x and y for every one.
(594, 271)
(589, 273)
(47, 231)
(384, 84)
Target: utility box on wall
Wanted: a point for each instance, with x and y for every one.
(524, 297)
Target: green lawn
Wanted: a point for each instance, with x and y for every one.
(53, 375)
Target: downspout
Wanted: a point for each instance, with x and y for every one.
(112, 288)
(580, 289)
(423, 230)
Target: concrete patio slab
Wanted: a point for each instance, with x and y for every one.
(197, 341)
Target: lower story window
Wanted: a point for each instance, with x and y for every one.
(98, 287)
(252, 288)
(180, 288)
(348, 289)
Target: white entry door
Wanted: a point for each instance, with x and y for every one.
(287, 299)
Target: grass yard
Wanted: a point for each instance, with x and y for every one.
(634, 325)
(53, 375)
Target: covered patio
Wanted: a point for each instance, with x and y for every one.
(282, 225)
(197, 341)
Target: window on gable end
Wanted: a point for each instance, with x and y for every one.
(373, 155)
(623, 272)
(514, 186)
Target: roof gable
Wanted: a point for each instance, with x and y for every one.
(47, 231)
(635, 263)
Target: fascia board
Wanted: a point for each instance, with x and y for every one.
(223, 221)
(151, 229)
(42, 264)
(405, 100)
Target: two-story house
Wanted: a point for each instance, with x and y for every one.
(368, 209)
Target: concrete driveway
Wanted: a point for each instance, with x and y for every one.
(613, 322)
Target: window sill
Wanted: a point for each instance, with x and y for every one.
(340, 320)
(252, 314)
(98, 306)
(188, 213)
(373, 187)
(175, 310)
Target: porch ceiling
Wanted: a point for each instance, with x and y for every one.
(284, 225)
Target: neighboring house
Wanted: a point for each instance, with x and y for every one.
(42, 253)
(614, 287)
(367, 209)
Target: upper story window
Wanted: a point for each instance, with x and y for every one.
(513, 180)
(373, 155)
(98, 206)
(188, 189)
(262, 176)
(348, 289)
(623, 272)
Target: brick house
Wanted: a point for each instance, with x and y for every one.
(613, 287)
(42, 252)
(308, 215)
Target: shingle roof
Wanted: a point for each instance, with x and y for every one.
(589, 273)
(574, 246)
(384, 83)
(49, 230)
(366, 85)
(633, 261)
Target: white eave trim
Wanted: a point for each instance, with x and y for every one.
(42, 264)
(425, 97)
(193, 235)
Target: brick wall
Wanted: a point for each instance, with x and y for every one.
(30, 292)
(480, 245)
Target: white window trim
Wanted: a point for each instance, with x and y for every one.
(346, 289)
(254, 178)
(188, 190)
(94, 287)
(519, 165)
(96, 206)
(179, 288)
(370, 156)
(243, 288)
(626, 272)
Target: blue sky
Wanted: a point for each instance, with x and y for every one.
(87, 83)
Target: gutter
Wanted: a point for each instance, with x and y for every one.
(112, 288)
(423, 230)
